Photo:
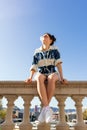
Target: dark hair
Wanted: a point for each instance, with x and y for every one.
(52, 37)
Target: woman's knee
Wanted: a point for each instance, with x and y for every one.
(52, 78)
(40, 77)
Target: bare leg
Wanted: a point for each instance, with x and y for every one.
(52, 78)
(41, 88)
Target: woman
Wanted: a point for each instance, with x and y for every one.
(45, 60)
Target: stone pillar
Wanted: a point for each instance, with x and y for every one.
(62, 125)
(43, 126)
(8, 124)
(80, 125)
(26, 125)
(0, 101)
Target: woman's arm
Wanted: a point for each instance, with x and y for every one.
(62, 80)
(30, 77)
(59, 67)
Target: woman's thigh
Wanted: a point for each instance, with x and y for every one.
(53, 77)
(39, 76)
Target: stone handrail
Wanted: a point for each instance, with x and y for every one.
(77, 90)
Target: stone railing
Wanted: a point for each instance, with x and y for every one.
(77, 90)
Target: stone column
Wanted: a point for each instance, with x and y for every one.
(1, 101)
(8, 124)
(62, 125)
(26, 125)
(80, 125)
(43, 126)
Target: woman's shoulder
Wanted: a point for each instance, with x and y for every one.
(54, 47)
(37, 50)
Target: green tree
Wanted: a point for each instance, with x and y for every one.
(2, 114)
(85, 115)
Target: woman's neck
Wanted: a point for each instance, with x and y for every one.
(45, 47)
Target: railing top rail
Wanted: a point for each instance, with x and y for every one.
(22, 83)
(22, 88)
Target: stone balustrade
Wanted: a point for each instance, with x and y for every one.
(77, 90)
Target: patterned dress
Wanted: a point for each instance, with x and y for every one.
(46, 61)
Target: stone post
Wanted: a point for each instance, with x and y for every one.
(80, 125)
(43, 126)
(62, 125)
(8, 124)
(26, 125)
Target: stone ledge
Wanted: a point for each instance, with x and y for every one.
(22, 88)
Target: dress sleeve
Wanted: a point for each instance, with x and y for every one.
(57, 57)
(34, 63)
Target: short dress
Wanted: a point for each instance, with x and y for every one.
(45, 62)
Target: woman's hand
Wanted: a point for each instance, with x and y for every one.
(64, 81)
(29, 80)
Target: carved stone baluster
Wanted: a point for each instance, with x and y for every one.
(8, 124)
(62, 125)
(43, 126)
(80, 123)
(26, 125)
(1, 101)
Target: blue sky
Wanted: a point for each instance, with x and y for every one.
(22, 22)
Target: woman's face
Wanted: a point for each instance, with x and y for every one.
(45, 39)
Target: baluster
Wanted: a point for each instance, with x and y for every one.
(62, 125)
(80, 125)
(1, 101)
(26, 125)
(8, 124)
(43, 126)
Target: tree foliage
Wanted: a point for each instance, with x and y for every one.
(2, 114)
(85, 115)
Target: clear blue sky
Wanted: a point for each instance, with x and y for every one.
(22, 22)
